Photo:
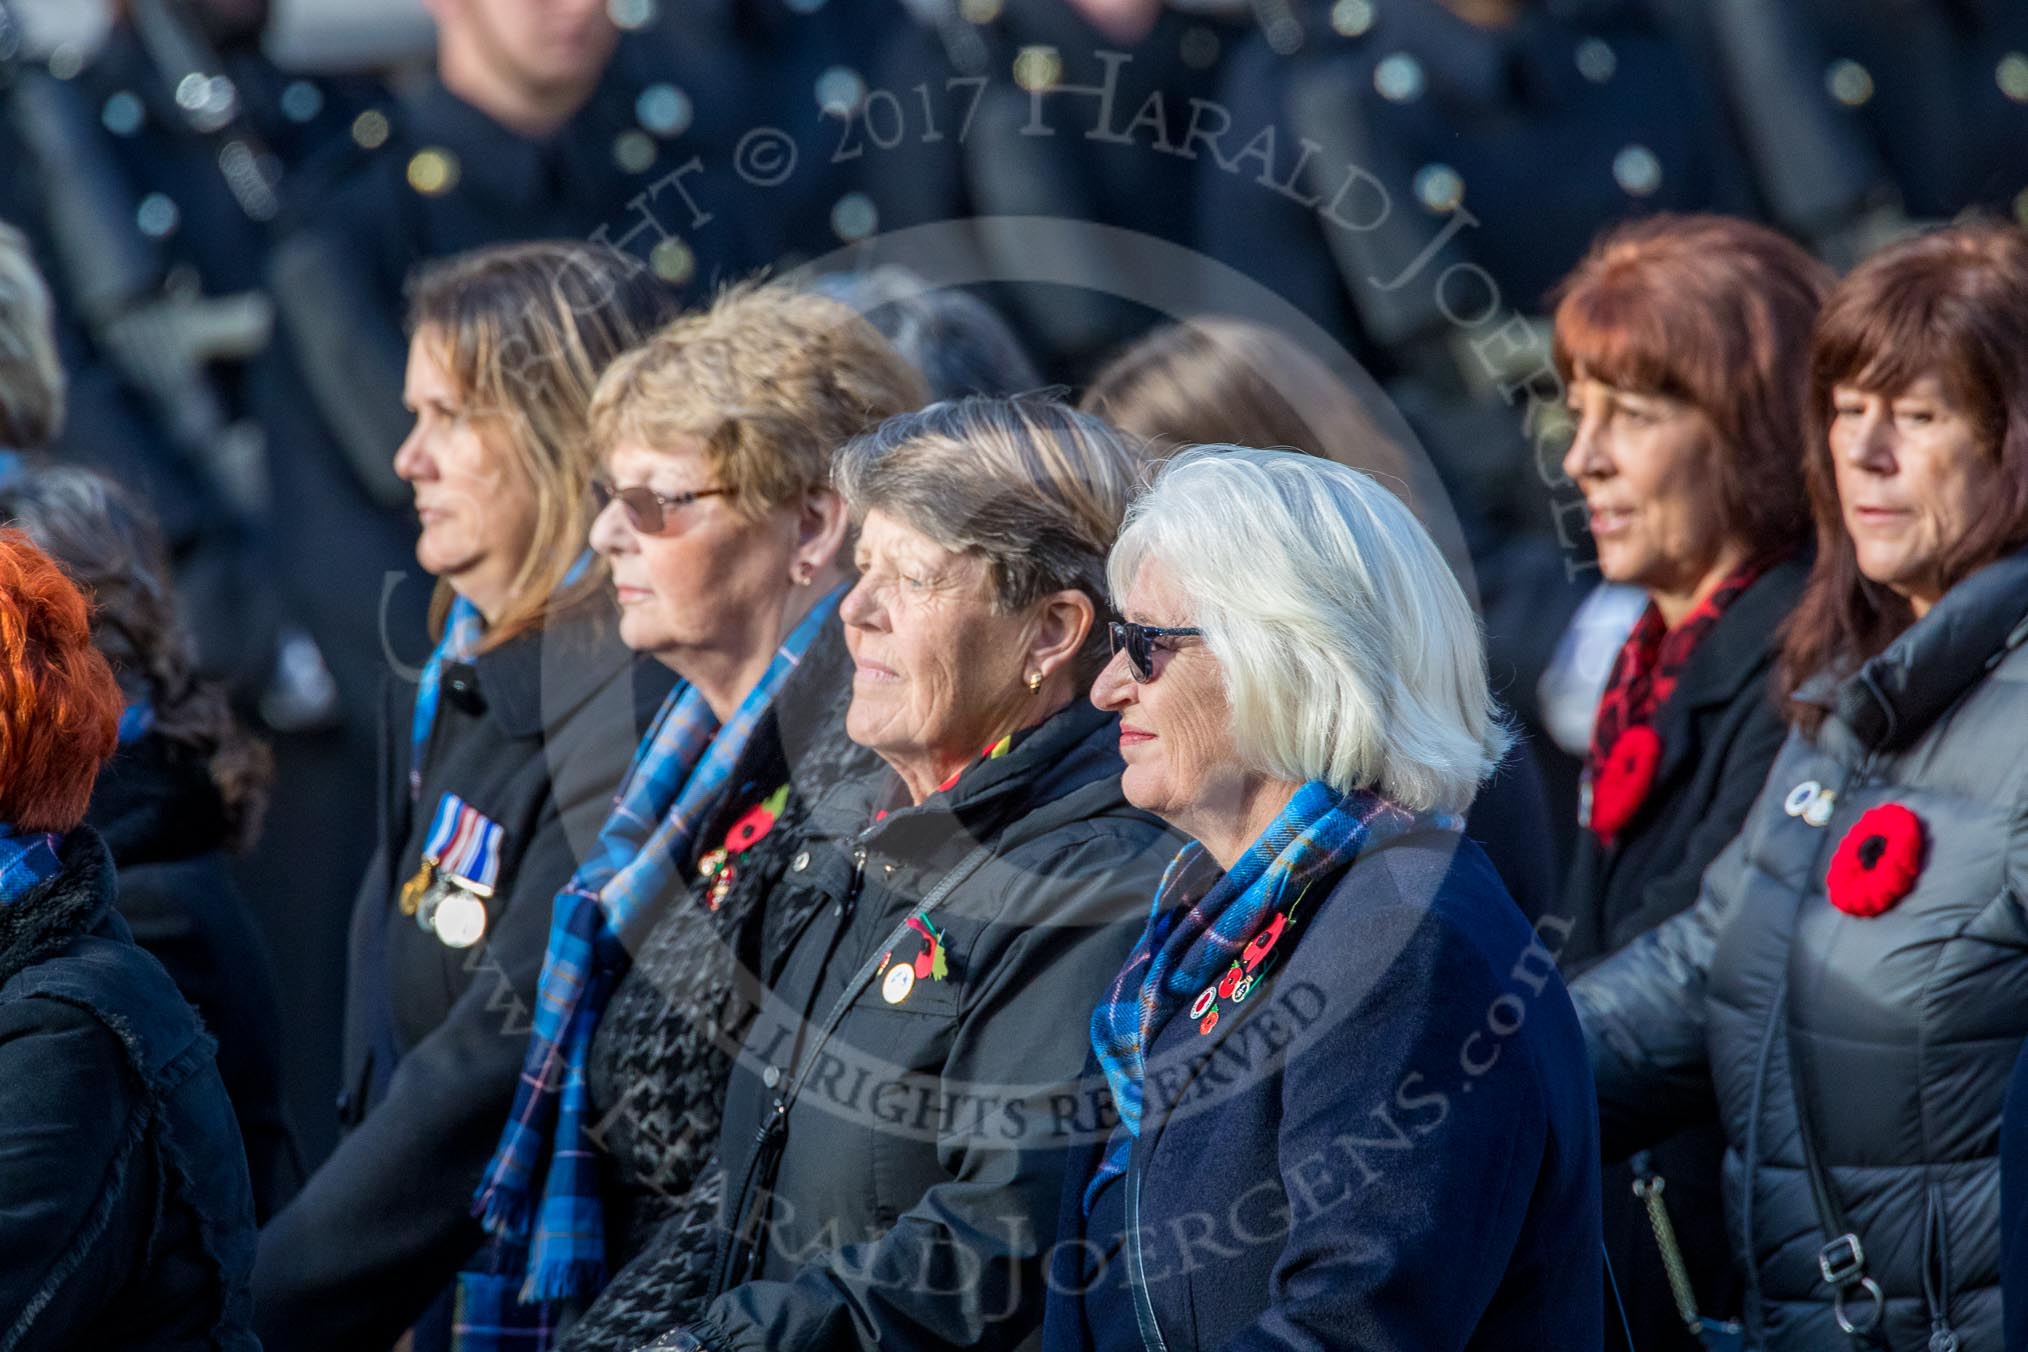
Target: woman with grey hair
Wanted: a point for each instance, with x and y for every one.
(1343, 1067)
(894, 1132)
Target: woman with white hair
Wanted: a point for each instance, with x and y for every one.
(1353, 1103)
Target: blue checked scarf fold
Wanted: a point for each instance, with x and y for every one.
(542, 1187)
(26, 858)
(464, 627)
(1202, 920)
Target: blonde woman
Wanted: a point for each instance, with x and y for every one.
(500, 762)
(725, 541)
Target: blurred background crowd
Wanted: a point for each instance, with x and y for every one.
(229, 197)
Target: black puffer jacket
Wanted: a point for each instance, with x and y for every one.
(1907, 1023)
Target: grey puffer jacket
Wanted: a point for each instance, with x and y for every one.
(1907, 1023)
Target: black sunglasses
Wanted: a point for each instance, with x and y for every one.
(1138, 641)
(647, 510)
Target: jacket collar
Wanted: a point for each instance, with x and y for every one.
(1740, 645)
(1068, 752)
(53, 913)
(1897, 696)
(155, 800)
(538, 679)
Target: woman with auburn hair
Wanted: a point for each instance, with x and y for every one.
(1849, 982)
(1681, 341)
(1234, 382)
(126, 1218)
(499, 764)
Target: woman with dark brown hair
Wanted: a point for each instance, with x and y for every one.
(1222, 381)
(1680, 340)
(185, 791)
(1849, 983)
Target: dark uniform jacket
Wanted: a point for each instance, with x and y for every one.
(125, 1216)
(906, 1197)
(1027, 111)
(536, 735)
(161, 817)
(1390, 1145)
(1901, 1029)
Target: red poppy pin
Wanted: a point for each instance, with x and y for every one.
(1624, 779)
(757, 821)
(930, 964)
(717, 869)
(1263, 943)
(1877, 862)
(1227, 983)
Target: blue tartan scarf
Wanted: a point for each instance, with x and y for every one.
(1202, 921)
(464, 628)
(542, 1187)
(26, 859)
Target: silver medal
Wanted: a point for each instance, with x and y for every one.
(459, 920)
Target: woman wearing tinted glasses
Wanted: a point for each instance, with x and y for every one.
(500, 762)
(1352, 1097)
(723, 537)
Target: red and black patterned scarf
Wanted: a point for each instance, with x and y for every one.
(1644, 675)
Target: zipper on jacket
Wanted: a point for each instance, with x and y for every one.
(1936, 1273)
(769, 1137)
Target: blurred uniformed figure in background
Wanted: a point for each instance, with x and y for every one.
(1438, 166)
(1860, 116)
(543, 119)
(154, 167)
(1016, 108)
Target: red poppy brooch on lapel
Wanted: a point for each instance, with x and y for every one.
(1877, 862)
(1623, 780)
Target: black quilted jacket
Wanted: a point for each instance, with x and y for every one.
(1907, 1023)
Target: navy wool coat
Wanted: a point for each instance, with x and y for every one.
(1391, 1145)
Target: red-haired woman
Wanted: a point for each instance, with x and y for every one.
(1682, 341)
(1853, 981)
(126, 1218)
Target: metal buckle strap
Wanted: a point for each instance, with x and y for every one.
(1842, 1261)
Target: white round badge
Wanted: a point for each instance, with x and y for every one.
(1818, 813)
(460, 920)
(1800, 797)
(899, 982)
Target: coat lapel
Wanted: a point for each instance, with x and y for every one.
(1739, 650)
